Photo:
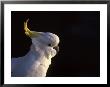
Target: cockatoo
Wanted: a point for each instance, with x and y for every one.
(36, 62)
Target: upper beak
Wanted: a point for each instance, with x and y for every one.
(56, 48)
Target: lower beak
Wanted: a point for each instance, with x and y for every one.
(56, 48)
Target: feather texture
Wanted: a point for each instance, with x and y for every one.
(36, 62)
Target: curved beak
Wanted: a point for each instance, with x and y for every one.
(56, 48)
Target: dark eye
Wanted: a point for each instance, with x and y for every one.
(49, 44)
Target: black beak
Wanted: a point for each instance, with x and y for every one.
(56, 48)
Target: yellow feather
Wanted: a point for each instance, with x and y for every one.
(28, 32)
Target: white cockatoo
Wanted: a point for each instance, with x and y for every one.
(36, 62)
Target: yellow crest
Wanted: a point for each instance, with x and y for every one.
(28, 32)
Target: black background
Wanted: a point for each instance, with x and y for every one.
(79, 34)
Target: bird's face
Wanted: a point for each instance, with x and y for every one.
(47, 40)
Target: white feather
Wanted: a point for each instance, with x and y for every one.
(36, 62)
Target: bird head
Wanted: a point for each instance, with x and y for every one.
(45, 39)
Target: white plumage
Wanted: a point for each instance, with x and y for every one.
(36, 62)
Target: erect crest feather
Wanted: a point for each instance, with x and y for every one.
(28, 32)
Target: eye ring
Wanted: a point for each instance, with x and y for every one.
(49, 44)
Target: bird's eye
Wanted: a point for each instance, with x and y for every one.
(49, 44)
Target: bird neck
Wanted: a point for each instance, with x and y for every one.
(35, 52)
(40, 63)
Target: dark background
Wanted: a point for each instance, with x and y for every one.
(79, 34)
